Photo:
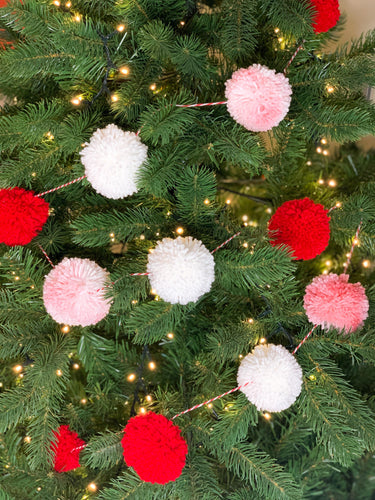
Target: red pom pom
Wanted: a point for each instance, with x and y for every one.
(154, 447)
(22, 216)
(66, 449)
(303, 226)
(326, 16)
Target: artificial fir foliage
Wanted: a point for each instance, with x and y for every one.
(164, 169)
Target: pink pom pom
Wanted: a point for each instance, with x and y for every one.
(257, 97)
(73, 292)
(330, 301)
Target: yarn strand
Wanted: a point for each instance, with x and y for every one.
(46, 255)
(62, 186)
(348, 260)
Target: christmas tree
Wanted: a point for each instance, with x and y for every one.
(187, 285)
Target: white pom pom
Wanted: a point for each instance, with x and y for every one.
(181, 270)
(274, 376)
(112, 160)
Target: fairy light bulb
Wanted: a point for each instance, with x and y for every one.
(83, 401)
(267, 416)
(355, 241)
(153, 86)
(92, 487)
(312, 378)
(120, 28)
(245, 218)
(182, 23)
(170, 335)
(250, 320)
(77, 18)
(124, 70)
(57, 3)
(328, 263)
(59, 373)
(277, 30)
(65, 329)
(17, 368)
(228, 201)
(262, 340)
(131, 377)
(27, 439)
(330, 89)
(76, 366)
(366, 263)
(319, 149)
(245, 245)
(269, 210)
(76, 101)
(148, 398)
(206, 201)
(324, 140)
(320, 181)
(16, 278)
(142, 410)
(332, 183)
(68, 5)
(114, 98)
(152, 365)
(180, 230)
(338, 204)
(325, 152)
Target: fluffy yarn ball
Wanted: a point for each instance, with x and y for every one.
(181, 270)
(326, 16)
(274, 376)
(112, 160)
(257, 97)
(154, 447)
(303, 226)
(330, 301)
(22, 216)
(73, 292)
(66, 449)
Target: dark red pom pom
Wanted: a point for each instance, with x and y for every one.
(303, 226)
(154, 447)
(66, 449)
(22, 216)
(326, 16)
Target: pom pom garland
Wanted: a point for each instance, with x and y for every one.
(181, 270)
(257, 97)
(327, 13)
(273, 375)
(154, 447)
(66, 449)
(331, 302)
(112, 160)
(303, 226)
(73, 292)
(22, 216)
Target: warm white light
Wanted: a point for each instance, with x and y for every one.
(153, 86)
(120, 27)
(267, 416)
(325, 152)
(27, 439)
(324, 141)
(228, 201)
(250, 320)
(148, 398)
(76, 101)
(142, 410)
(92, 487)
(17, 368)
(206, 201)
(124, 70)
(355, 241)
(332, 183)
(77, 18)
(134, 302)
(262, 340)
(312, 377)
(152, 365)
(269, 210)
(16, 278)
(277, 30)
(240, 356)
(57, 3)
(330, 89)
(366, 263)
(280, 39)
(182, 23)
(170, 335)
(338, 204)
(328, 263)
(209, 405)
(325, 271)
(68, 5)
(245, 245)
(76, 366)
(319, 149)
(245, 218)
(83, 401)
(321, 181)
(65, 329)
(309, 163)
(59, 373)
(180, 230)
(131, 377)
(114, 98)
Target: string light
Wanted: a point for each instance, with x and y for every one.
(153, 86)
(134, 302)
(206, 201)
(27, 439)
(76, 100)
(330, 89)
(245, 218)
(356, 241)
(142, 410)
(328, 263)
(312, 377)
(148, 398)
(262, 340)
(120, 28)
(321, 181)
(332, 183)
(83, 401)
(124, 70)
(324, 141)
(280, 39)
(209, 405)
(338, 204)
(131, 377)
(33, 174)
(325, 152)
(269, 210)
(325, 271)
(77, 18)
(114, 98)
(250, 320)
(16, 278)
(65, 329)
(59, 373)
(182, 23)
(228, 201)
(180, 230)
(17, 368)
(68, 5)
(38, 488)
(57, 3)
(319, 149)
(170, 335)
(267, 416)
(152, 365)
(92, 487)
(245, 245)
(240, 356)
(277, 30)
(366, 263)
(1, 384)
(76, 366)
(309, 163)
